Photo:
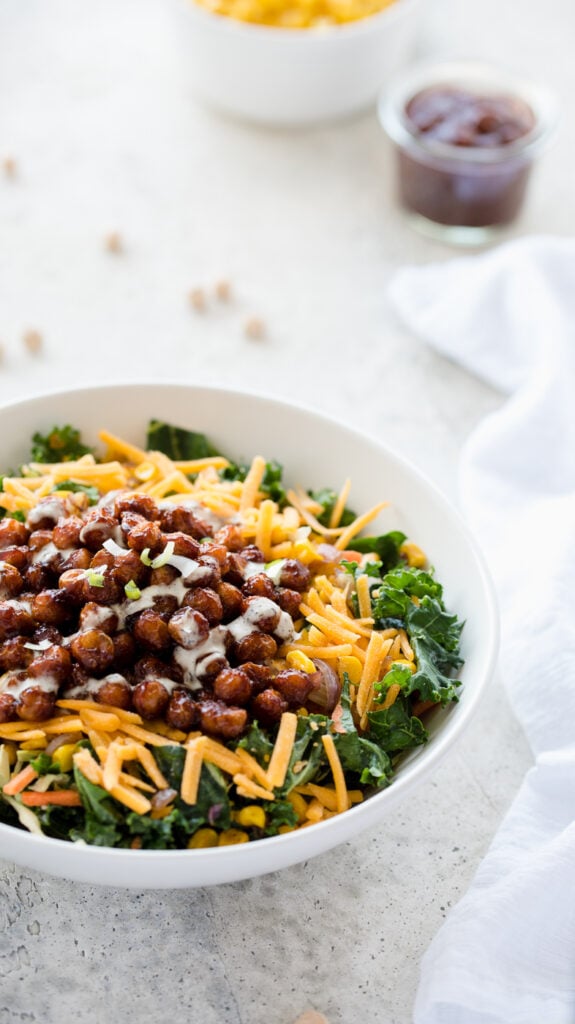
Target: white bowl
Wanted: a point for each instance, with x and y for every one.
(294, 76)
(315, 451)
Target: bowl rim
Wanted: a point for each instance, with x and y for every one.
(425, 765)
(324, 35)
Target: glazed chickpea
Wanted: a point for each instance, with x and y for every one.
(259, 585)
(150, 698)
(209, 667)
(183, 544)
(54, 663)
(124, 650)
(102, 561)
(163, 576)
(151, 631)
(233, 686)
(54, 607)
(46, 513)
(231, 537)
(145, 535)
(253, 554)
(115, 691)
(38, 577)
(129, 567)
(179, 518)
(99, 526)
(261, 676)
(93, 649)
(217, 719)
(289, 601)
(165, 605)
(151, 667)
(14, 654)
(79, 559)
(294, 686)
(18, 557)
(14, 620)
(36, 704)
(255, 647)
(206, 601)
(261, 613)
(96, 616)
(140, 504)
(210, 574)
(72, 582)
(219, 552)
(38, 539)
(235, 572)
(268, 707)
(188, 628)
(106, 591)
(231, 598)
(11, 581)
(66, 533)
(182, 711)
(13, 533)
(45, 632)
(8, 708)
(295, 575)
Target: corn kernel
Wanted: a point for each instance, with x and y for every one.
(251, 817)
(232, 836)
(415, 556)
(352, 667)
(203, 838)
(299, 805)
(297, 660)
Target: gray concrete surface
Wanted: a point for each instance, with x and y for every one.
(95, 108)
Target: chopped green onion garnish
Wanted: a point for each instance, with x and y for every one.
(160, 560)
(95, 579)
(131, 591)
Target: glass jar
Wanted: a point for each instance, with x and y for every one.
(465, 136)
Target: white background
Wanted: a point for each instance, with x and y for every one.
(96, 109)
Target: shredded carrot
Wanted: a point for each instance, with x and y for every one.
(20, 781)
(60, 797)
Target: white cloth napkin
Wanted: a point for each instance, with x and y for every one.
(506, 954)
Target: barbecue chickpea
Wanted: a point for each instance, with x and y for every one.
(179, 518)
(209, 667)
(261, 613)
(36, 704)
(294, 686)
(217, 551)
(145, 535)
(46, 632)
(268, 707)
(150, 698)
(54, 607)
(289, 601)
(115, 691)
(163, 576)
(151, 631)
(140, 504)
(93, 649)
(231, 598)
(38, 577)
(8, 708)
(129, 567)
(233, 686)
(19, 557)
(98, 527)
(72, 582)
(261, 676)
(14, 620)
(150, 666)
(38, 539)
(236, 569)
(211, 572)
(66, 533)
(259, 585)
(14, 654)
(108, 591)
(217, 719)
(55, 663)
(255, 647)
(206, 601)
(102, 560)
(124, 650)
(182, 711)
(295, 575)
(231, 536)
(78, 559)
(183, 544)
(165, 605)
(188, 628)
(13, 533)
(96, 616)
(11, 581)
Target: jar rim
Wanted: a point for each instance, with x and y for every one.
(475, 75)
